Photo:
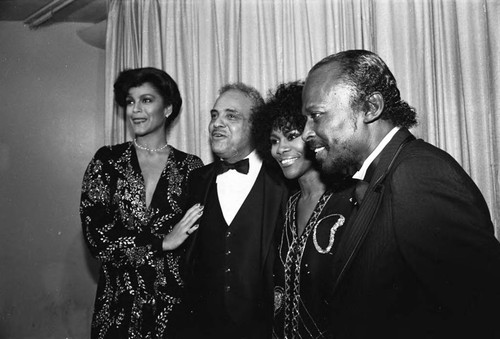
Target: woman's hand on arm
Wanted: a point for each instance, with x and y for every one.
(183, 228)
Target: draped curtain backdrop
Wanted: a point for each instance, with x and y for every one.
(443, 53)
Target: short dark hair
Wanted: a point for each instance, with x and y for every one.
(367, 73)
(281, 111)
(249, 91)
(159, 79)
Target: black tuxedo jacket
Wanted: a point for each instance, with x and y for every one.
(419, 259)
(275, 198)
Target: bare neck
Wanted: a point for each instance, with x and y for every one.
(311, 184)
(153, 140)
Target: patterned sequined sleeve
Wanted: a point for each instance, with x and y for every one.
(106, 238)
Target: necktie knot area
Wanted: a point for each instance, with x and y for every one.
(241, 166)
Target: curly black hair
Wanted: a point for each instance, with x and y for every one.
(159, 79)
(367, 73)
(281, 111)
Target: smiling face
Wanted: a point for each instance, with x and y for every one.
(290, 151)
(334, 130)
(146, 110)
(230, 127)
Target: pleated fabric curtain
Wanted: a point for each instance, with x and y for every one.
(444, 54)
(206, 44)
(133, 39)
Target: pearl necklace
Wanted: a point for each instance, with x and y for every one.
(148, 149)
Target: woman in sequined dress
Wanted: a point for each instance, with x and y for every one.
(314, 218)
(134, 214)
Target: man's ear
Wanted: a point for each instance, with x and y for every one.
(374, 105)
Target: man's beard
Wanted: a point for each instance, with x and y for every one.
(337, 162)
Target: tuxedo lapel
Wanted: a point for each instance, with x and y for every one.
(206, 180)
(199, 190)
(273, 194)
(358, 227)
(384, 161)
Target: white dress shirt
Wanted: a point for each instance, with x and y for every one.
(360, 175)
(233, 187)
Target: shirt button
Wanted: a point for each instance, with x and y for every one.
(228, 252)
(228, 270)
(228, 288)
(228, 234)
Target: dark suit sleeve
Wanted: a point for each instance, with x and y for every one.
(196, 186)
(444, 232)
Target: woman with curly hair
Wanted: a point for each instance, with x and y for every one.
(313, 221)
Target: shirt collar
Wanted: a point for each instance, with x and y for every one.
(360, 175)
(255, 162)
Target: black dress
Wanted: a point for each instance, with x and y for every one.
(303, 274)
(139, 286)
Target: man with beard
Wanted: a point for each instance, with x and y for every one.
(419, 259)
(231, 256)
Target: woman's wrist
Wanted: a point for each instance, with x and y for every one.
(165, 245)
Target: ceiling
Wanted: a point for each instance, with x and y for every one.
(76, 11)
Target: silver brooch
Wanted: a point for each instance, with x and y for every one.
(333, 230)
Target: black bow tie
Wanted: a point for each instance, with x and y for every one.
(241, 166)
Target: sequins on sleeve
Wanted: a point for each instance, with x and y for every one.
(105, 235)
